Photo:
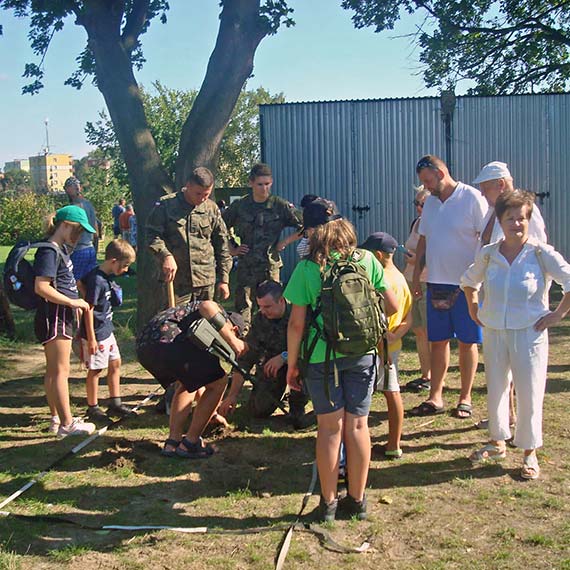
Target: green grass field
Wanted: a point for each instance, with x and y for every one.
(430, 510)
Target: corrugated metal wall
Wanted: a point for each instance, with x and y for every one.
(362, 154)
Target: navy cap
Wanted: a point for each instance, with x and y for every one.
(319, 212)
(237, 321)
(380, 241)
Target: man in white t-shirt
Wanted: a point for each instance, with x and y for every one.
(449, 237)
(493, 180)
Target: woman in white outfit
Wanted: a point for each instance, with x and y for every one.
(517, 273)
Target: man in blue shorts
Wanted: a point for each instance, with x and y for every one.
(449, 233)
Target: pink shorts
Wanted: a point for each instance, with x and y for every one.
(108, 350)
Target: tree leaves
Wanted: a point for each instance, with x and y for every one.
(47, 17)
(166, 110)
(509, 46)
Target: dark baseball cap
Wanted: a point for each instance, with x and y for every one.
(380, 241)
(237, 321)
(319, 212)
(72, 181)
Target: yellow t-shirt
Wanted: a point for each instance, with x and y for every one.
(398, 284)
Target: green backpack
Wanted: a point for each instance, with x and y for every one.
(354, 322)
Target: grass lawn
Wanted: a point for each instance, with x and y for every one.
(429, 510)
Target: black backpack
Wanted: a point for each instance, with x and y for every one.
(19, 275)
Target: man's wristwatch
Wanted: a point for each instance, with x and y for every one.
(284, 356)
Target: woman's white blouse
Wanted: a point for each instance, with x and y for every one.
(516, 295)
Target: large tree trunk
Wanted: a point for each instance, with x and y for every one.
(231, 63)
(147, 178)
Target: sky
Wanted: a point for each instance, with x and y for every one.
(323, 57)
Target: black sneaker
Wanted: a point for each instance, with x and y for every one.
(351, 507)
(327, 511)
(121, 410)
(96, 414)
(418, 385)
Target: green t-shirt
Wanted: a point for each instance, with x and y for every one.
(304, 288)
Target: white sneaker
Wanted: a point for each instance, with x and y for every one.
(54, 425)
(76, 427)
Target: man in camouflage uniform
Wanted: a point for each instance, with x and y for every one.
(258, 220)
(186, 233)
(266, 349)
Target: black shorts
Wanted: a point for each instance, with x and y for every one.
(182, 361)
(53, 321)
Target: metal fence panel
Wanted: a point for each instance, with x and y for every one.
(362, 154)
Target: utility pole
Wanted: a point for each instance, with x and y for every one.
(46, 121)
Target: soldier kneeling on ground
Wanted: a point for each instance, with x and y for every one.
(267, 350)
(166, 349)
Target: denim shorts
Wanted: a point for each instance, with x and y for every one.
(356, 376)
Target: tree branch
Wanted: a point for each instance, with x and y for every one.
(135, 23)
(533, 22)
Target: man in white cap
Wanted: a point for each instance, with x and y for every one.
(494, 179)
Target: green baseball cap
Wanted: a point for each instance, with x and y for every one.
(74, 214)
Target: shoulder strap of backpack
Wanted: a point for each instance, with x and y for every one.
(57, 250)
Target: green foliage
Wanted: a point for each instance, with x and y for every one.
(19, 217)
(16, 181)
(9, 560)
(240, 146)
(100, 186)
(49, 17)
(68, 553)
(166, 110)
(504, 47)
(128, 21)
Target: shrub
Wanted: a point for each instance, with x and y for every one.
(22, 215)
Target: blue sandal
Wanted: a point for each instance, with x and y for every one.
(195, 450)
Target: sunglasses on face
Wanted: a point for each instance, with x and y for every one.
(418, 204)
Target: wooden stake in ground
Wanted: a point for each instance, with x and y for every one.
(171, 297)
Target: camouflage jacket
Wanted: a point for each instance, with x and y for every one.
(196, 236)
(266, 338)
(259, 226)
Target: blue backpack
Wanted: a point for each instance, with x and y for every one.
(19, 275)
